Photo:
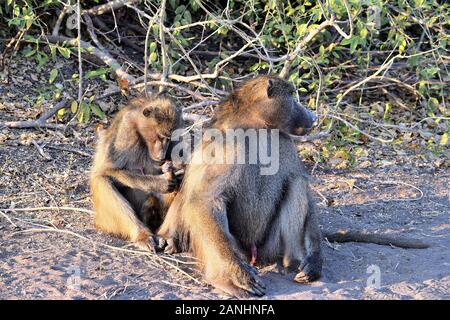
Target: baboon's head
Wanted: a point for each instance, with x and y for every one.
(270, 100)
(156, 117)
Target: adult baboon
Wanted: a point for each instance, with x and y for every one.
(228, 213)
(132, 185)
(225, 210)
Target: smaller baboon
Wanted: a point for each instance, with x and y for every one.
(132, 180)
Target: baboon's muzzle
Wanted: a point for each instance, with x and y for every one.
(308, 120)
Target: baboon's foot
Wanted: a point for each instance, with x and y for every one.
(310, 269)
(245, 277)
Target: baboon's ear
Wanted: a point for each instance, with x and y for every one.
(270, 88)
(147, 112)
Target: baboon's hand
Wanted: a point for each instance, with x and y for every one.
(178, 172)
(247, 279)
(167, 167)
(169, 182)
(153, 244)
(147, 245)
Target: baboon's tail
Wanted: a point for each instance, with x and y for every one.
(386, 240)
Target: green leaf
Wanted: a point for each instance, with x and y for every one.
(42, 59)
(180, 9)
(346, 41)
(60, 113)
(322, 51)
(65, 52)
(153, 57)
(153, 46)
(74, 106)
(301, 29)
(85, 113)
(96, 73)
(363, 33)
(387, 109)
(444, 139)
(29, 52)
(97, 111)
(173, 3)
(53, 75)
(433, 102)
(188, 17)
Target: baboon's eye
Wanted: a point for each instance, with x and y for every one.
(147, 112)
(159, 116)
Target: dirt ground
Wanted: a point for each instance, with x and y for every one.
(57, 254)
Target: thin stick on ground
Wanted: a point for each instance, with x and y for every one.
(48, 208)
(94, 243)
(8, 219)
(72, 150)
(402, 183)
(41, 151)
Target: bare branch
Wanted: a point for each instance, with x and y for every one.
(61, 18)
(165, 67)
(111, 5)
(291, 57)
(80, 61)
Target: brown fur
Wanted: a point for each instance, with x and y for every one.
(223, 210)
(130, 192)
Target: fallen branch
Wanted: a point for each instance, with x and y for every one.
(41, 122)
(201, 105)
(102, 55)
(111, 5)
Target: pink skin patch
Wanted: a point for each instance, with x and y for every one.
(254, 254)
